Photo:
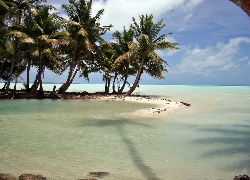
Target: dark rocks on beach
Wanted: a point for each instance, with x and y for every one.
(31, 177)
(6, 177)
(242, 177)
(185, 104)
(98, 174)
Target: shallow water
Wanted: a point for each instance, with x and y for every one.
(68, 139)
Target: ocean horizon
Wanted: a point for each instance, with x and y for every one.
(67, 139)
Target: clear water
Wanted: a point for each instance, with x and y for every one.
(68, 139)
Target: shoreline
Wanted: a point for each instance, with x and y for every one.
(163, 105)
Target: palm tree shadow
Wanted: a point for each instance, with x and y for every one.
(236, 139)
(137, 159)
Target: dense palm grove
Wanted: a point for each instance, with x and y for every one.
(33, 36)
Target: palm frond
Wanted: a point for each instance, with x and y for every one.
(74, 23)
(21, 36)
(164, 45)
(88, 45)
(83, 32)
(3, 8)
(125, 57)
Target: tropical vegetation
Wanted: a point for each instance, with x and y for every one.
(33, 35)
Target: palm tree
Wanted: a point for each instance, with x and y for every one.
(106, 63)
(43, 27)
(48, 26)
(85, 31)
(146, 33)
(123, 65)
(17, 11)
(113, 67)
(7, 52)
(3, 11)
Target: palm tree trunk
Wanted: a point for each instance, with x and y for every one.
(35, 84)
(66, 84)
(40, 73)
(137, 79)
(114, 91)
(14, 55)
(125, 80)
(1, 69)
(12, 66)
(16, 79)
(107, 82)
(74, 75)
(70, 78)
(106, 85)
(28, 74)
(72, 67)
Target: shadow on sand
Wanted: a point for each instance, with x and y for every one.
(131, 146)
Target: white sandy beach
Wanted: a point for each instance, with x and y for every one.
(162, 106)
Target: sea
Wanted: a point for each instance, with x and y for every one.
(68, 139)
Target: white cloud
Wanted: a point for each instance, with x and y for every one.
(58, 6)
(244, 59)
(212, 59)
(120, 12)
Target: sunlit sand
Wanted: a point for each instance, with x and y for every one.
(161, 106)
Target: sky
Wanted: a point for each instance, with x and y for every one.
(213, 37)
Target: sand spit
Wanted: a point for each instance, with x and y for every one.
(162, 106)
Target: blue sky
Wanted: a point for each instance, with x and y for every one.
(214, 39)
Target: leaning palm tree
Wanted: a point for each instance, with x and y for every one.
(147, 35)
(85, 31)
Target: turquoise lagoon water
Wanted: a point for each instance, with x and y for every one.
(64, 139)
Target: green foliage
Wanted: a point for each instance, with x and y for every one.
(3, 8)
(31, 35)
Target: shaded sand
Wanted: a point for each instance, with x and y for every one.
(161, 107)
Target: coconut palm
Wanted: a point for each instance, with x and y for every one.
(17, 11)
(43, 27)
(3, 11)
(85, 31)
(113, 67)
(106, 62)
(123, 65)
(46, 37)
(147, 35)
